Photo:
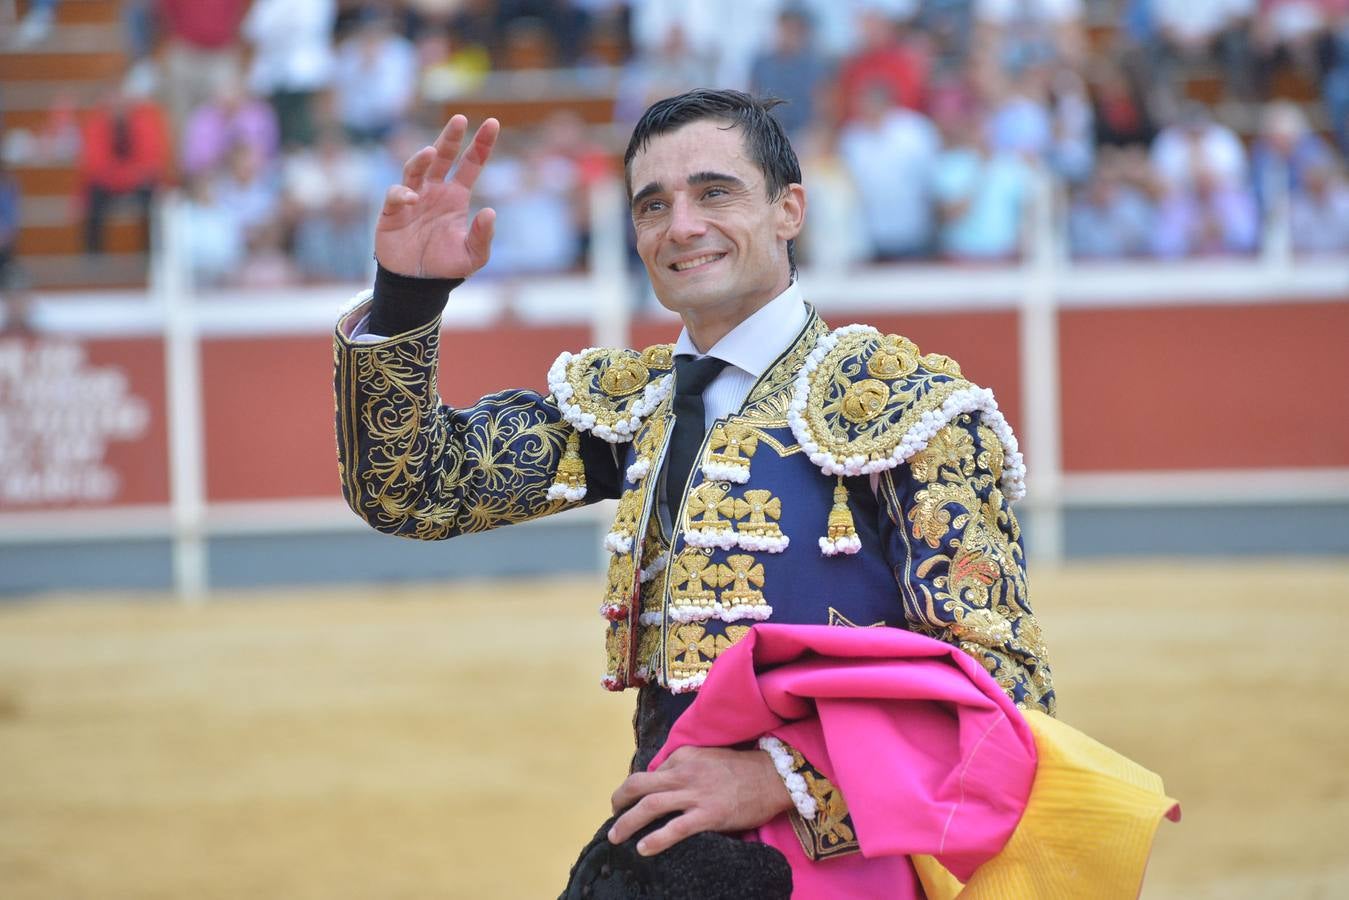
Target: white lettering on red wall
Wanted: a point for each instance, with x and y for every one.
(58, 416)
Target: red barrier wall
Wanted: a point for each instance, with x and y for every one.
(269, 401)
(83, 423)
(1205, 387)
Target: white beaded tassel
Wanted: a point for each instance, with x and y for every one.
(796, 785)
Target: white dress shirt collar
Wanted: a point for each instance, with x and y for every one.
(754, 344)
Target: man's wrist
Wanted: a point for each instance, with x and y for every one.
(402, 303)
(793, 783)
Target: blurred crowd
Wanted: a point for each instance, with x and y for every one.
(1173, 128)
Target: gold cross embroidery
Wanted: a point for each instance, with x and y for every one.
(759, 506)
(741, 571)
(709, 501)
(690, 571)
(690, 649)
(732, 445)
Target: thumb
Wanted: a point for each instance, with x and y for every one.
(479, 240)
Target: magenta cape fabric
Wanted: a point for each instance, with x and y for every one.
(930, 754)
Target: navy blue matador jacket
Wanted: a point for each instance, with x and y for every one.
(862, 483)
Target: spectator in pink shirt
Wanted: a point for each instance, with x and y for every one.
(231, 118)
(1210, 217)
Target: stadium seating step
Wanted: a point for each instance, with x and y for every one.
(82, 12)
(87, 37)
(71, 271)
(18, 67)
(46, 180)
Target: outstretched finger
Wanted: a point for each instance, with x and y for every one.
(477, 154)
(397, 198)
(414, 170)
(479, 240)
(447, 147)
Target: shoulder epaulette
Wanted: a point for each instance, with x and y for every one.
(608, 392)
(865, 402)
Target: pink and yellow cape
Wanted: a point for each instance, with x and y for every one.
(953, 790)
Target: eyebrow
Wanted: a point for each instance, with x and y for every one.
(705, 177)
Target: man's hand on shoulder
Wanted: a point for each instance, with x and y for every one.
(424, 229)
(716, 789)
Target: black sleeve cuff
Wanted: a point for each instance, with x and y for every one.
(402, 303)
(601, 459)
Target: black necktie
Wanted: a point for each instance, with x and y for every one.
(692, 376)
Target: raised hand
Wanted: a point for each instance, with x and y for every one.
(424, 228)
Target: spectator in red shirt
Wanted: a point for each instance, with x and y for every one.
(125, 153)
(885, 59)
(202, 52)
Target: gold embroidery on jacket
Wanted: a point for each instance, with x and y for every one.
(732, 444)
(708, 507)
(609, 385)
(691, 648)
(655, 554)
(757, 512)
(495, 459)
(894, 357)
(621, 577)
(852, 413)
(770, 398)
(623, 376)
(842, 621)
(616, 648)
(831, 832)
(741, 574)
(973, 591)
(690, 574)
(628, 512)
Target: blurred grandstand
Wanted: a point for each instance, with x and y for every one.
(1127, 216)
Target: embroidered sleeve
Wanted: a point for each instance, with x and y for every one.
(821, 819)
(957, 554)
(413, 467)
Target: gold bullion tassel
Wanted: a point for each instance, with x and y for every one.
(570, 483)
(842, 536)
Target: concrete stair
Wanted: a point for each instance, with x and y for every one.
(79, 62)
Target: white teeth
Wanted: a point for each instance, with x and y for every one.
(679, 267)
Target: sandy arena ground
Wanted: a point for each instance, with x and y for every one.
(454, 742)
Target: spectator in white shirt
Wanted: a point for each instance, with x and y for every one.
(533, 195)
(890, 152)
(1320, 211)
(327, 190)
(292, 59)
(375, 80)
(1196, 147)
(213, 234)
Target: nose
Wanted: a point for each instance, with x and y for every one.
(686, 220)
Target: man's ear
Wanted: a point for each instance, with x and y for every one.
(792, 211)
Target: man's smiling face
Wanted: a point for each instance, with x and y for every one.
(714, 244)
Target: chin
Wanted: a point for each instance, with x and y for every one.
(687, 298)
